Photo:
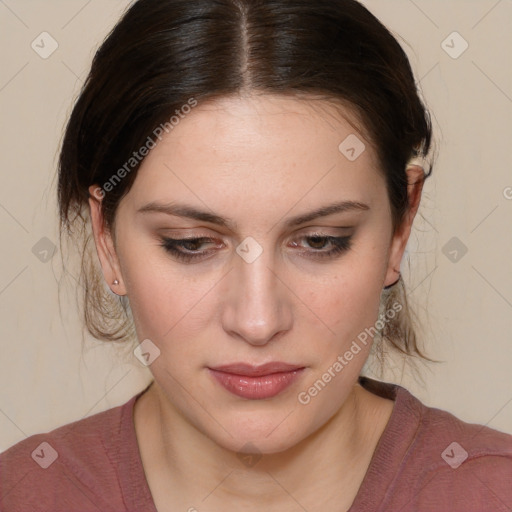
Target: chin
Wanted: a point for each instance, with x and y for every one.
(257, 445)
(261, 436)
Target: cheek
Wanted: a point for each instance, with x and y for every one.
(155, 298)
(166, 301)
(348, 301)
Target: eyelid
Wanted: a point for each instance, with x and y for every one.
(324, 230)
(339, 246)
(301, 233)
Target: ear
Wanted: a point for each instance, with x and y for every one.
(104, 243)
(415, 180)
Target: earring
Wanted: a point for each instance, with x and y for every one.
(116, 282)
(393, 284)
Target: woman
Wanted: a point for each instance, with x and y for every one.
(250, 172)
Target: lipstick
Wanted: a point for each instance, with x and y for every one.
(256, 382)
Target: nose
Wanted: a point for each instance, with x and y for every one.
(258, 308)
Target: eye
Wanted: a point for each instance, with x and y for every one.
(188, 249)
(318, 241)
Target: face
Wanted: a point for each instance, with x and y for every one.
(268, 276)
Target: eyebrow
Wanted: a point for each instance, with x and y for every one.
(190, 212)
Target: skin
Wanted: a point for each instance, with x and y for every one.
(256, 160)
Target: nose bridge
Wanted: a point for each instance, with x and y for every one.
(258, 280)
(257, 301)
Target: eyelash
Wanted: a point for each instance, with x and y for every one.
(172, 245)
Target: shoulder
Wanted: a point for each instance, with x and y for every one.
(463, 443)
(62, 468)
(452, 462)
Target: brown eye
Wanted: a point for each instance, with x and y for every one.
(189, 249)
(319, 242)
(186, 249)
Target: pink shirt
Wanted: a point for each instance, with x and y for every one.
(426, 460)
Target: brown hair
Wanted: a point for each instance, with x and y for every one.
(160, 55)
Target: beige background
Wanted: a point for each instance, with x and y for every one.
(45, 378)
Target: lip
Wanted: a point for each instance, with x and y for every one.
(256, 371)
(256, 382)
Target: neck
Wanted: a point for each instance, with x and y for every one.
(324, 469)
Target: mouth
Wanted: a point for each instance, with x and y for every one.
(256, 382)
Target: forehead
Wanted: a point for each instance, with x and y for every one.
(271, 148)
(277, 123)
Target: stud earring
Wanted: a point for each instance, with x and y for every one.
(116, 282)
